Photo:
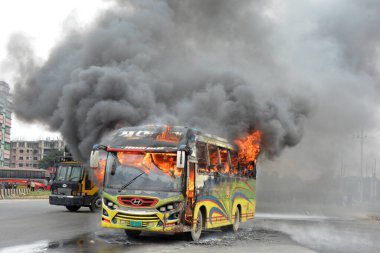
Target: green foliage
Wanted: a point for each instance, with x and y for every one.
(38, 193)
(50, 159)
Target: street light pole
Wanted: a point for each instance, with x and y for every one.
(361, 186)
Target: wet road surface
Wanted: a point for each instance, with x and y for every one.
(35, 226)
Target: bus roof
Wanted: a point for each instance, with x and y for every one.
(163, 137)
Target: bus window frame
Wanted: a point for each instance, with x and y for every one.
(217, 165)
(234, 153)
(222, 169)
(205, 157)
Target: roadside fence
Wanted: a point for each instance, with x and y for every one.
(13, 193)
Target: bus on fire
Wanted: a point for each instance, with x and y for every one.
(175, 179)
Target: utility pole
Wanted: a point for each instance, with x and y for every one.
(375, 179)
(361, 152)
(361, 186)
(374, 182)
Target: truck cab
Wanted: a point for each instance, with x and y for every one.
(73, 188)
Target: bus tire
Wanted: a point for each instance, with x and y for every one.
(96, 204)
(132, 233)
(73, 208)
(196, 230)
(235, 226)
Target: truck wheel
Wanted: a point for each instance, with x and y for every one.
(73, 208)
(196, 229)
(96, 204)
(132, 233)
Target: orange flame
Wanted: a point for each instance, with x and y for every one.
(99, 173)
(145, 161)
(190, 186)
(224, 161)
(249, 147)
(167, 135)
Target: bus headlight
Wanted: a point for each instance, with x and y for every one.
(169, 207)
(110, 204)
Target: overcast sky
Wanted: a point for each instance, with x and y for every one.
(42, 21)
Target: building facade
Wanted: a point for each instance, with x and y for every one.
(27, 154)
(5, 124)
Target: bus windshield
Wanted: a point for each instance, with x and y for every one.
(143, 171)
(69, 173)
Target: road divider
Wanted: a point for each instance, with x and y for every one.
(13, 193)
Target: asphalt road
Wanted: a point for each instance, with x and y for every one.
(35, 226)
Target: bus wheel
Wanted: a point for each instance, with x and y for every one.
(235, 226)
(132, 233)
(73, 208)
(196, 230)
(96, 204)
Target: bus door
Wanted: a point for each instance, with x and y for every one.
(190, 190)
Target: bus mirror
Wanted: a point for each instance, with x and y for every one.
(181, 159)
(99, 147)
(113, 169)
(94, 159)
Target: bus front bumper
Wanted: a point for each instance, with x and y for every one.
(153, 227)
(63, 200)
(116, 219)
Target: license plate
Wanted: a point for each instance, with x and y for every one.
(136, 223)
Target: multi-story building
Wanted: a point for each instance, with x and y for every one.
(5, 124)
(29, 153)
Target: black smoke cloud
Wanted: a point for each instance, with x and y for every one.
(209, 64)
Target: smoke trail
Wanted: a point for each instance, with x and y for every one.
(204, 63)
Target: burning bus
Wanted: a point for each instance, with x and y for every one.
(177, 179)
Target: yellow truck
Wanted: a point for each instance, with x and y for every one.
(73, 188)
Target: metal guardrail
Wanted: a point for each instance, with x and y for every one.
(13, 193)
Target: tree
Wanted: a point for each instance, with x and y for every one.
(50, 159)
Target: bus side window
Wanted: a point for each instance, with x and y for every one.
(251, 169)
(234, 163)
(224, 161)
(202, 159)
(214, 158)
